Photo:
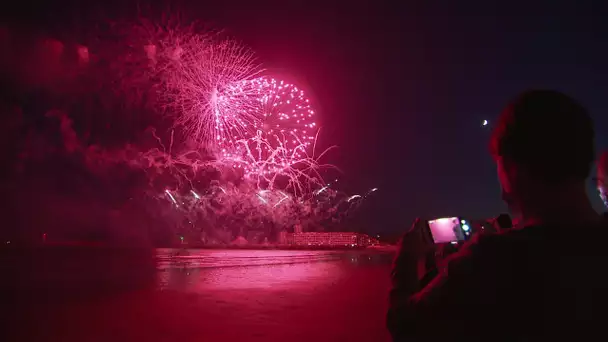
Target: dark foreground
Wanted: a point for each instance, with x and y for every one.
(233, 295)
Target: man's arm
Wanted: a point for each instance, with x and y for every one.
(418, 309)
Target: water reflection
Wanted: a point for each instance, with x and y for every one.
(199, 271)
(170, 258)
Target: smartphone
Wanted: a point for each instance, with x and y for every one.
(449, 229)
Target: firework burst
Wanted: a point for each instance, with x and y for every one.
(283, 114)
(253, 135)
(203, 90)
(281, 132)
(278, 167)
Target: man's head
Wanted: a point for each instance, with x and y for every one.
(544, 140)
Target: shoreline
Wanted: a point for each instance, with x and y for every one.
(86, 245)
(280, 247)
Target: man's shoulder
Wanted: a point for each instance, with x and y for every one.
(535, 237)
(489, 247)
(485, 242)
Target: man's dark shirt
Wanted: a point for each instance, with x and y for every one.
(536, 281)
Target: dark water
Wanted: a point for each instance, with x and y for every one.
(236, 295)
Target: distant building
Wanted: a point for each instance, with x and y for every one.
(331, 239)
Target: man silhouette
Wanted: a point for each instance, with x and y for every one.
(540, 280)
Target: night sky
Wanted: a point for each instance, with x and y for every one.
(403, 90)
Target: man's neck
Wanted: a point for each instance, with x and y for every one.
(568, 206)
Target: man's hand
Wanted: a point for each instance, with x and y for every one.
(417, 241)
(410, 264)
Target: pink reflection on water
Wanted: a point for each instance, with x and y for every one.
(202, 271)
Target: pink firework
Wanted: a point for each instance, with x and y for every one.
(204, 92)
(282, 130)
(285, 114)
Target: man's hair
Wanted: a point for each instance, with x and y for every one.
(548, 133)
